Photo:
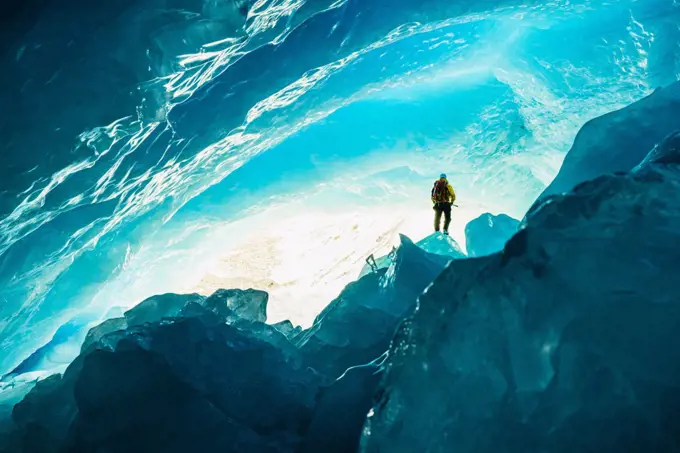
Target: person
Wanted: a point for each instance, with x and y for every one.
(443, 198)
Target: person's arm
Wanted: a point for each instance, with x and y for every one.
(452, 193)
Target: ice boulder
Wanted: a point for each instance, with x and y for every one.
(288, 329)
(441, 244)
(157, 307)
(234, 306)
(230, 304)
(409, 274)
(250, 304)
(357, 327)
(97, 333)
(436, 243)
(183, 384)
(350, 331)
(565, 341)
(488, 233)
(619, 140)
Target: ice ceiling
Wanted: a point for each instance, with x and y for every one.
(298, 139)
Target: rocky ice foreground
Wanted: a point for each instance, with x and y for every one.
(192, 373)
(565, 340)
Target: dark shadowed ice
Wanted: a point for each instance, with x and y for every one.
(488, 233)
(565, 341)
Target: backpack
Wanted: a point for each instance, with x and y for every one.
(440, 191)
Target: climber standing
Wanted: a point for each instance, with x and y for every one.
(443, 198)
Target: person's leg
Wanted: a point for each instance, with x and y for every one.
(447, 216)
(437, 217)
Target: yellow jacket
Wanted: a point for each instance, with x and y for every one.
(452, 194)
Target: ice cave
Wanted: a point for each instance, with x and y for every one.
(216, 226)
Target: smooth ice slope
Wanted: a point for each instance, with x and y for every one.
(565, 341)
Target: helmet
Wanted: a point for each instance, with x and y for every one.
(442, 176)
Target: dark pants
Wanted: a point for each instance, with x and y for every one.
(440, 208)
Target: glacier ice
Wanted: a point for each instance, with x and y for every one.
(488, 233)
(157, 307)
(564, 341)
(340, 411)
(249, 305)
(236, 383)
(287, 328)
(149, 387)
(619, 140)
(58, 352)
(146, 143)
(137, 137)
(76, 335)
(666, 152)
(441, 244)
(437, 244)
(72, 68)
(357, 327)
(97, 332)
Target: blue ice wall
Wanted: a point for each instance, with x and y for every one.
(133, 131)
